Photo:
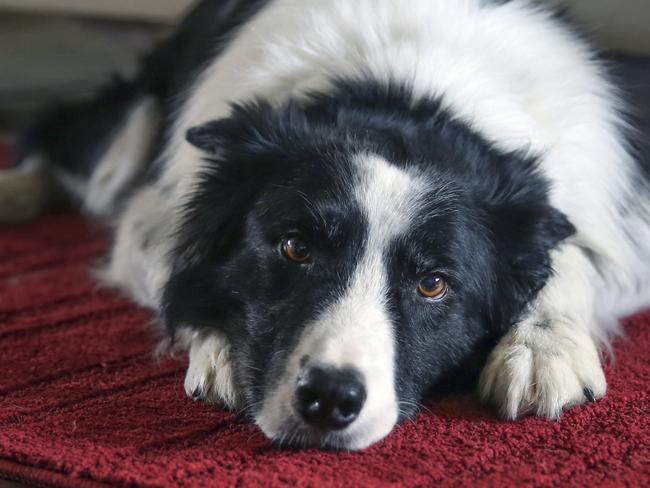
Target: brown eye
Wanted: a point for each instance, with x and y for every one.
(295, 249)
(434, 287)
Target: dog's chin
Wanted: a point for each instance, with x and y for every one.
(292, 432)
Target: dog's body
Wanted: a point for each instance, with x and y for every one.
(467, 149)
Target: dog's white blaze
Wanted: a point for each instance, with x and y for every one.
(356, 330)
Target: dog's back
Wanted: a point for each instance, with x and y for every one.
(59, 159)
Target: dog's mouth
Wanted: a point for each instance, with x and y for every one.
(295, 434)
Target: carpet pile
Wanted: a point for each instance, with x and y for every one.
(83, 403)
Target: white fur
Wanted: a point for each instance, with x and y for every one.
(542, 369)
(137, 264)
(512, 73)
(209, 375)
(356, 330)
(124, 160)
(137, 270)
(545, 363)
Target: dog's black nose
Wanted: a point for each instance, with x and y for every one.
(330, 399)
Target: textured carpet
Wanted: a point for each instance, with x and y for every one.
(83, 403)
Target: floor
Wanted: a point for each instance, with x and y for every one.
(11, 484)
(48, 59)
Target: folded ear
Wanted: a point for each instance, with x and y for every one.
(208, 137)
(525, 229)
(242, 152)
(213, 217)
(250, 127)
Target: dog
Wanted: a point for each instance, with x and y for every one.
(338, 207)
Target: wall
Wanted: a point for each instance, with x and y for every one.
(150, 10)
(619, 24)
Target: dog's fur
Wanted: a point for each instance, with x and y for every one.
(476, 140)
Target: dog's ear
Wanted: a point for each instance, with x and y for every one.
(250, 128)
(242, 151)
(213, 217)
(208, 137)
(213, 214)
(524, 229)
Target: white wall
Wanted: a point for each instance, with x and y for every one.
(151, 10)
(619, 24)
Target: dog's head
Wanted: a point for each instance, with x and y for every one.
(356, 251)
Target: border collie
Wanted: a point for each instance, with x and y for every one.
(339, 206)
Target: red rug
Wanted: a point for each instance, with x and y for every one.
(83, 403)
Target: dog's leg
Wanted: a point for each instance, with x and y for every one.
(550, 360)
(209, 376)
(25, 192)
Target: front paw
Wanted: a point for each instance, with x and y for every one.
(209, 376)
(543, 369)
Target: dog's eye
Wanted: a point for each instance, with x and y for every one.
(434, 287)
(295, 249)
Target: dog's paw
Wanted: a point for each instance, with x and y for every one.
(209, 376)
(542, 369)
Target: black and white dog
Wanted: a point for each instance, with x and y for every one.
(340, 205)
